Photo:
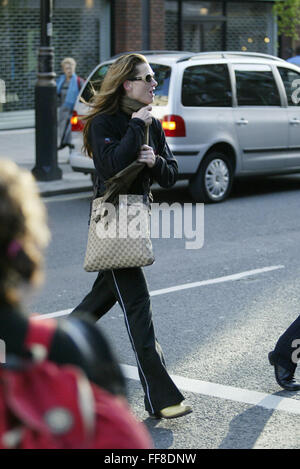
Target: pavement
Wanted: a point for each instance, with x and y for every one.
(19, 146)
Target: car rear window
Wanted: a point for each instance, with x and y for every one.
(206, 85)
(94, 82)
(162, 76)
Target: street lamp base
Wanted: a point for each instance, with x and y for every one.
(47, 173)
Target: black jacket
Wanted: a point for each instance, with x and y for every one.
(116, 140)
(63, 350)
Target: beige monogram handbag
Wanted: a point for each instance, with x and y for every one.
(119, 234)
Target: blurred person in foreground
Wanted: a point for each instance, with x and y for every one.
(23, 235)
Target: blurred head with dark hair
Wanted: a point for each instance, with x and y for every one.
(23, 231)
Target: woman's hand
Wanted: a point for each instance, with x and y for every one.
(146, 155)
(144, 114)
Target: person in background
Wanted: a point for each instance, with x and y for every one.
(23, 235)
(68, 87)
(296, 58)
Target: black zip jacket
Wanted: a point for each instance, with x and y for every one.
(116, 141)
(99, 363)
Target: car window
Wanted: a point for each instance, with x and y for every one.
(162, 76)
(256, 86)
(206, 85)
(291, 81)
(95, 82)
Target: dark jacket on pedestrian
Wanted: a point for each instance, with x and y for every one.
(116, 141)
(98, 363)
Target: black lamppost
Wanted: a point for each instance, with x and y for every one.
(46, 168)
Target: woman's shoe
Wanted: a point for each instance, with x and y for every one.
(284, 377)
(172, 412)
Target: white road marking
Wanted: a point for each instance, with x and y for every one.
(17, 131)
(57, 314)
(231, 393)
(227, 278)
(245, 396)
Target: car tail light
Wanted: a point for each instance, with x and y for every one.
(76, 122)
(173, 126)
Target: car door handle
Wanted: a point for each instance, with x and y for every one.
(242, 122)
(295, 121)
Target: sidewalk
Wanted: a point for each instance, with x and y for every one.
(19, 146)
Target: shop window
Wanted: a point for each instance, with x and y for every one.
(201, 9)
(76, 32)
(206, 86)
(250, 27)
(202, 37)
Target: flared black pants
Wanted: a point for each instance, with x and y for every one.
(129, 288)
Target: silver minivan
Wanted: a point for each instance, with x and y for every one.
(225, 114)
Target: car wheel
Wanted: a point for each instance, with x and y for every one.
(213, 181)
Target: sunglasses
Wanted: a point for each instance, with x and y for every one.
(146, 78)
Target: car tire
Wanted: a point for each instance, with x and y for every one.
(213, 180)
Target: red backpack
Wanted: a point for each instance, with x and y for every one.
(48, 406)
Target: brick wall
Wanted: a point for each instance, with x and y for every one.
(128, 34)
(128, 25)
(157, 24)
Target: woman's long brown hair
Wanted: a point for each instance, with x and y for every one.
(107, 100)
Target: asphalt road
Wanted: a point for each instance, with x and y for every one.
(215, 335)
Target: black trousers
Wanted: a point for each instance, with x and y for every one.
(129, 288)
(284, 353)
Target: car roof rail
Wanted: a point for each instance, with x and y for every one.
(150, 52)
(186, 57)
(253, 54)
(226, 54)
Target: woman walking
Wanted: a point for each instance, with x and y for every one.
(113, 137)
